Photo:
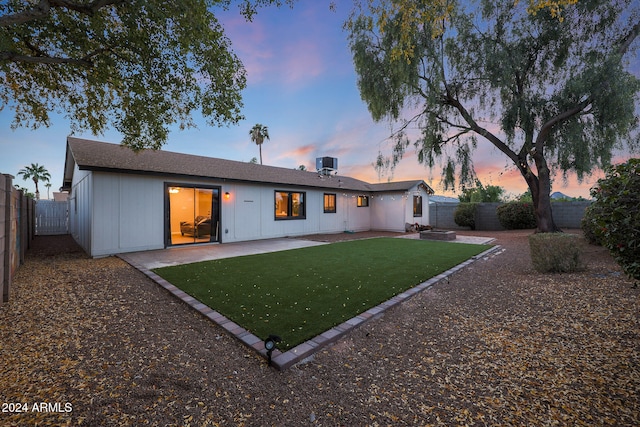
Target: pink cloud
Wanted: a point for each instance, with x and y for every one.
(302, 62)
(250, 41)
(271, 46)
(302, 154)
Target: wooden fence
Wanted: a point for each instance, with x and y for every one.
(17, 228)
(52, 217)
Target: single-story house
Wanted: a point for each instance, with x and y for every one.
(122, 201)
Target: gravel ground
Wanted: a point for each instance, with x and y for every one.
(94, 342)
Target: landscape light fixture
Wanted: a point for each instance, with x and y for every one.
(270, 345)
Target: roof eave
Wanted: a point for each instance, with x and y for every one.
(212, 178)
(69, 163)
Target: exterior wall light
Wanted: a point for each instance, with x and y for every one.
(227, 195)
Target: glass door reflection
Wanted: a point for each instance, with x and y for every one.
(193, 215)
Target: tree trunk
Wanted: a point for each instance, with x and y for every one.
(541, 194)
(544, 215)
(37, 191)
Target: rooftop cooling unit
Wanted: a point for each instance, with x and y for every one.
(326, 165)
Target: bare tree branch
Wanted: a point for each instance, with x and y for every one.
(43, 8)
(457, 135)
(87, 9)
(628, 39)
(38, 11)
(545, 130)
(15, 57)
(448, 122)
(497, 142)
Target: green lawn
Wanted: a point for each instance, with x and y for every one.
(301, 293)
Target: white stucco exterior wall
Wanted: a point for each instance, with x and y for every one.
(392, 210)
(249, 213)
(128, 214)
(115, 213)
(80, 208)
(417, 190)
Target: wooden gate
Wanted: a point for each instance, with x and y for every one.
(52, 217)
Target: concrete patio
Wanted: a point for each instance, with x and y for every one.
(178, 255)
(188, 254)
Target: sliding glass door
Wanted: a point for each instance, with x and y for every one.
(193, 214)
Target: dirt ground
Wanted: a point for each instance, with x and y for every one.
(94, 342)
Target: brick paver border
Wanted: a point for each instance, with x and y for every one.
(283, 360)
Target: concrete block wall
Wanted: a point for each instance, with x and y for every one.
(569, 214)
(441, 216)
(5, 237)
(487, 217)
(16, 231)
(565, 214)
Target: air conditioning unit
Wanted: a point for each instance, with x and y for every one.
(326, 165)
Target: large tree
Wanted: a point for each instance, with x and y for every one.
(548, 89)
(140, 66)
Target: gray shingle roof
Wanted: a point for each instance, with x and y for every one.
(101, 156)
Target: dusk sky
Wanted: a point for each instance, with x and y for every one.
(302, 85)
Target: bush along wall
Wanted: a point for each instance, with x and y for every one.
(555, 253)
(590, 226)
(517, 215)
(465, 215)
(614, 217)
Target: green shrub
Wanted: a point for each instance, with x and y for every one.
(517, 215)
(465, 215)
(616, 214)
(589, 225)
(555, 253)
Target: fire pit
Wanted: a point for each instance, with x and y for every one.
(438, 235)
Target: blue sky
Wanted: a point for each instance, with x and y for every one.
(302, 85)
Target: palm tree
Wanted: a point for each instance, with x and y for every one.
(258, 134)
(48, 185)
(37, 173)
